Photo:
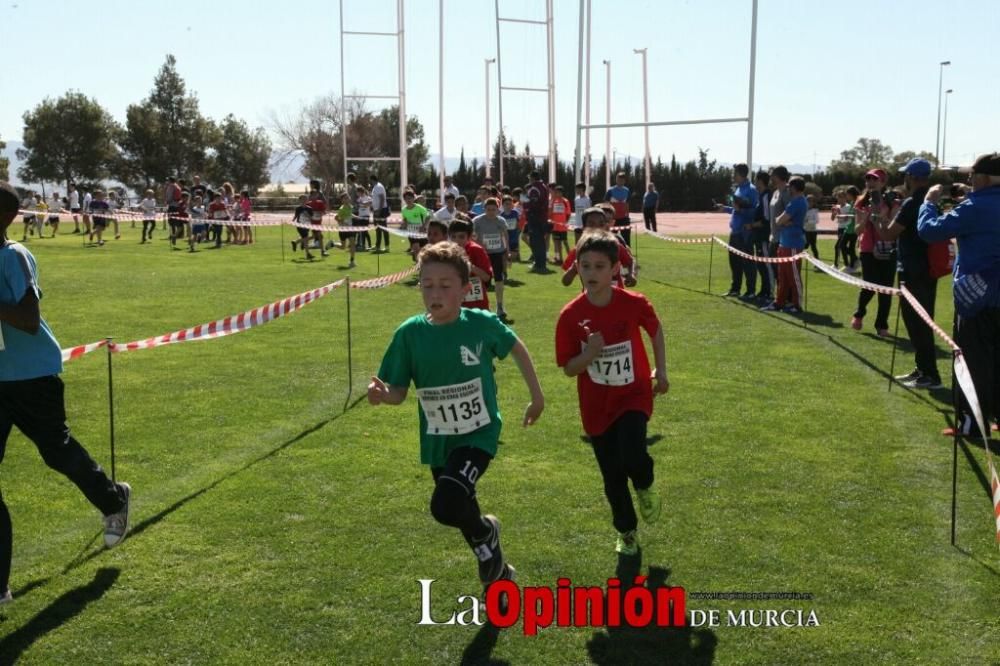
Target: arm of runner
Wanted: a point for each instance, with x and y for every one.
(380, 393)
(569, 275)
(523, 359)
(25, 315)
(660, 382)
(579, 363)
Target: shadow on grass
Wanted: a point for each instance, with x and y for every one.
(56, 614)
(480, 650)
(651, 644)
(974, 465)
(154, 519)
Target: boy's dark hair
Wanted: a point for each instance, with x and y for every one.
(854, 192)
(797, 183)
(409, 192)
(620, 174)
(742, 170)
(448, 253)
(450, 195)
(581, 186)
(781, 172)
(598, 240)
(9, 201)
(761, 175)
(439, 224)
(460, 226)
(491, 202)
(517, 191)
(507, 198)
(536, 175)
(461, 197)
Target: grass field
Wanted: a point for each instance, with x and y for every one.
(272, 526)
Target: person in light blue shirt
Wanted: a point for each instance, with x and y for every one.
(744, 203)
(791, 241)
(31, 394)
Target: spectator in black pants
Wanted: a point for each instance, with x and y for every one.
(975, 224)
(31, 394)
(760, 235)
(878, 257)
(537, 193)
(744, 205)
(914, 272)
(650, 202)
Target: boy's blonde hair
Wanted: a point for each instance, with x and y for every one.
(449, 253)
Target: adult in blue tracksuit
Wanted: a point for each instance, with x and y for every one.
(975, 224)
(745, 200)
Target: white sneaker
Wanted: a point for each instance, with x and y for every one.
(6, 598)
(116, 525)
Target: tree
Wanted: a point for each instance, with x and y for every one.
(241, 156)
(866, 154)
(165, 134)
(67, 139)
(4, 164)
(315, 133)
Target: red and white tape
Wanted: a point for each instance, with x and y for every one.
(236, 323)
(762, 260)
(995, 486)
(674, 239)
(849, 279)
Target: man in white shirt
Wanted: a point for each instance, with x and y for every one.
(449, 188)
(380, 211)
(447, 212)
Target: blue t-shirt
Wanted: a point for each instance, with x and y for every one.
(650, 199)
(743, 216)
(24, 356)
(793, 235)
(478, 208)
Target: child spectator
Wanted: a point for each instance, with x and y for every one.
(317, 205)
(614, 381)
(851, 231)
(32, 395)
(54, 209)
(811, 224)
(363, 218)
(447, 353)
(626, 272)
(491, 232)
(559, 214)
(791, 240)
(618, 197)
(218, 212)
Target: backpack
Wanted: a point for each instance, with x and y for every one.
(940, 258)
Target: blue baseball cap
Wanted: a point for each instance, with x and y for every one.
(918, 167)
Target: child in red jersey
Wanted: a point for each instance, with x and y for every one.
(559, 214)
(460, 233)
(626, 275)
(598, 341)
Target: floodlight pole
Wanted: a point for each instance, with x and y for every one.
(937, 140)
(403, 166)
(944, 135)
(496, 6)
(550, 45)
(586, 151)
(579, 96)
(343, 100)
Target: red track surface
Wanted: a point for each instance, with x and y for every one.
(708, 223)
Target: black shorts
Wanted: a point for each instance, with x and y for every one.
(559, 235)
(100, 223)
(465, 465)
(347, 235)
(498, 261)
(75, 211)
(53, 219)
(303, 232)
(29, 219)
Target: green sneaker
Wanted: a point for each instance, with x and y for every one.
(627, 544)
(650, 504)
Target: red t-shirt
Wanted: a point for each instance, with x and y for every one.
(318, 206)
(559, 212)
(624, 257)
(217, 211)
(618, 380)
(477, 296)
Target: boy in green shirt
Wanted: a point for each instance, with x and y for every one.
(345, 218)
(414, 219)
(447, 353)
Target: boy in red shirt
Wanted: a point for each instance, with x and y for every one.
(559, 212)
(598, 341)
(481, 273)
(594, 218)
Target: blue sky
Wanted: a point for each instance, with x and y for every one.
(824, 76)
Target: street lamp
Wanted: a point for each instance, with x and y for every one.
(489, 150)
(645, 112)
(944, 137)
(937, 140)
(607, 132)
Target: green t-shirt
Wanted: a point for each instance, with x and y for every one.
(451, 366)
(414, 217)
(345, 215)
